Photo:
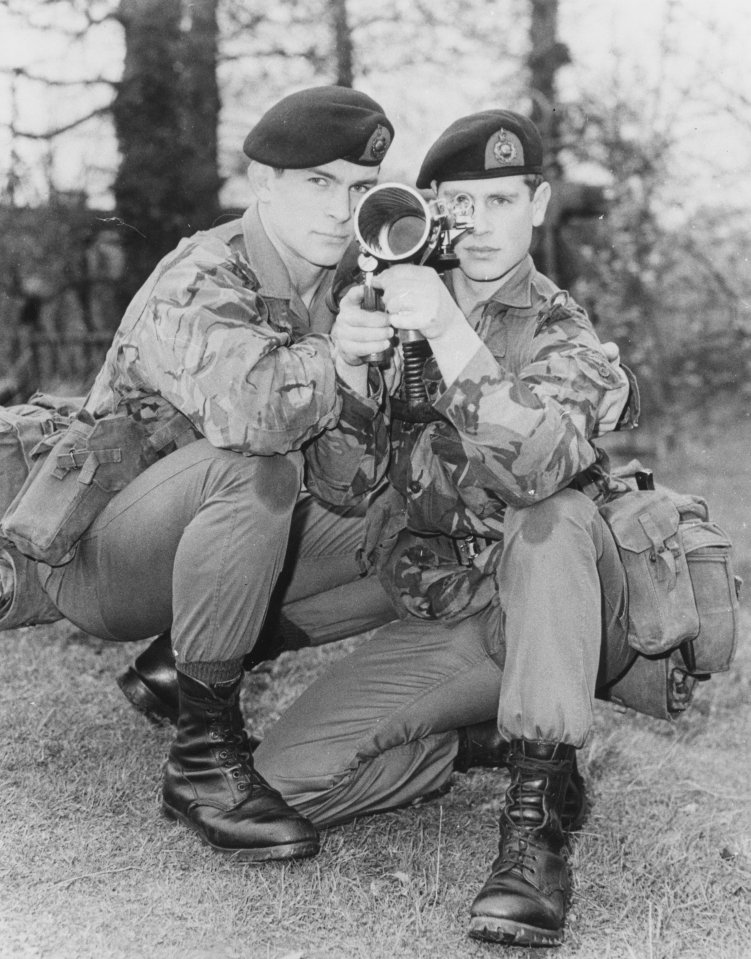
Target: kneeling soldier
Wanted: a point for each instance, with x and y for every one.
(509, 582)
(232, 331)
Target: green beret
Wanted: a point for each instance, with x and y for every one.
(318, 126)
(489, 144)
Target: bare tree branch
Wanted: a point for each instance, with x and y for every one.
(24, 74)
(270, 52)
(51, 134)
(83, 10)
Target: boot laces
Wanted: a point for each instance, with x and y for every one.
(527, 802)
(234, 750)
(518, 852)
(525, 818)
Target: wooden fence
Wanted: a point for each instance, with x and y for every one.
(66, 363)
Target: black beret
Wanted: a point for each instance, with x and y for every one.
(489, 144)
(319, 125)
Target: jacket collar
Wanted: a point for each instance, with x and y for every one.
(515, 290)
(273, 278)
(264, 259)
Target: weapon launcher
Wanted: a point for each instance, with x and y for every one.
(395, 224)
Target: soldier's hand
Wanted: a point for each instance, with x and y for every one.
(612, 403)
(416, 299)
(358, 332)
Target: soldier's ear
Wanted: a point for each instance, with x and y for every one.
(540, 203)
(259, 176)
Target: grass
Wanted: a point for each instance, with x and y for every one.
(89, 868)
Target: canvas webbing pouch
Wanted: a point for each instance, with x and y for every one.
(682, 596)
(662, 611)
(23, 601)
(76, 473)
(657, 686)
(22, 428)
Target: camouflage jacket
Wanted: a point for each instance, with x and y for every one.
(516, 426)
(218, 338)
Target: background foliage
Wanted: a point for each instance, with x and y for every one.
(141, 106)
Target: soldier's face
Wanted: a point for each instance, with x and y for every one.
(504, 214)
(308, 213)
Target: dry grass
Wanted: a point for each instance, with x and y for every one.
(89, 868)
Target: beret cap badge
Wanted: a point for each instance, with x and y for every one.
(504, 149)
(378, 144)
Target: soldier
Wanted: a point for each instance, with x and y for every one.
(491, 545)
(231, 332)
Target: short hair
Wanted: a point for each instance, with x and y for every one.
(533, 182)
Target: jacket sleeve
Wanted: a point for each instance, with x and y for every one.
(527, 435)
(347, 462)
(204, 341)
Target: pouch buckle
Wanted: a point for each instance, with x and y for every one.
(467, 548)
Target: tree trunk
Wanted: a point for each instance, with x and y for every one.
(200, 108)
(547, 55)
(166, 115)
(543, 64)
(342, 43)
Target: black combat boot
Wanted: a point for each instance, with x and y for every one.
(524, 900)
(481, 746)
(150, 683)
(210, 783)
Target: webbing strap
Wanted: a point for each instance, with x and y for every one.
(663, 554)
(170, 432)
(88, 461)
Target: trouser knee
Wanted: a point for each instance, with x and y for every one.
(196, 540)
(272, 482)
(557, 517)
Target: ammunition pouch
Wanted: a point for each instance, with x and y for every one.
(23, 601)
(76, 473)
(682, 597)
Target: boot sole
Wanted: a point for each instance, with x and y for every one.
(145, 701)
(291, 850)
(510, 933)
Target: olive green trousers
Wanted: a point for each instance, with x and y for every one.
(207, 542)
(378, 730)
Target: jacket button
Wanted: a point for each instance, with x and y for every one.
(414, 487)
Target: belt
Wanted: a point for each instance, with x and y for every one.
(421, 412)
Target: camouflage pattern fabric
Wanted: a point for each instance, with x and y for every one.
(423, 577)
(359, 446)
(517, 427)
(218, 333)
